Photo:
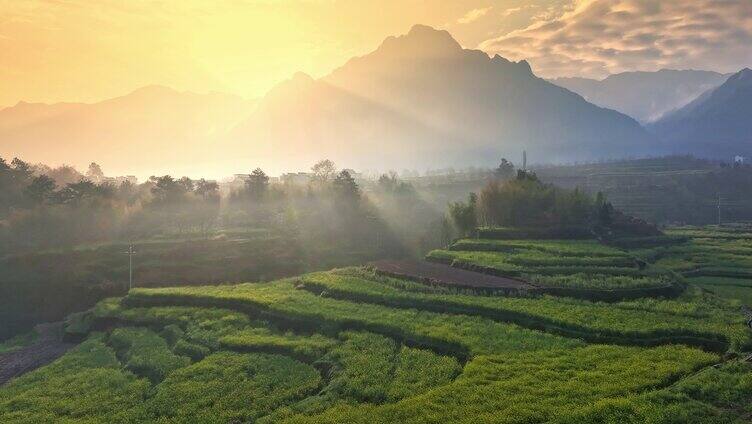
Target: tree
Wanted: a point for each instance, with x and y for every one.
(166, 190)
(464, 215)
(604, 210)
(41, 189)
(95, 173)
(206, 189)
(505, 170)
(187, 184)
(75, 193)
(257, 184)
(65, 174)
(22, 171)
(391, 184)
(345, 186)
(324, 171)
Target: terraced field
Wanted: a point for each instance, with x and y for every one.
(718, 259)
(354, 345)
(576, 268)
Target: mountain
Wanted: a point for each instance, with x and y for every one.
(717, 124)
(421, 100)
(150, 130)
(645, 96)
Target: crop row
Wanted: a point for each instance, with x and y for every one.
(637, 322)
(145, 353)
(587, 248)
(549, 386)
(285, 305)
(412, 369)
(581, 273)
(519, 265)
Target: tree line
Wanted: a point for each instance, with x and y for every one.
(521, 200)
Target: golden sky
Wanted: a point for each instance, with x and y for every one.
(89, 50)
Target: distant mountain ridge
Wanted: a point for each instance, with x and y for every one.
(645, 96)
(417, 101)
(144, 129)
(718, 124)
(420, 99)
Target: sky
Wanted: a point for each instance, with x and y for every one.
(89, 50)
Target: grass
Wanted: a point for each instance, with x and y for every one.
(18, 342)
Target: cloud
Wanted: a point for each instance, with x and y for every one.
(514, 10)
(599, 37)
(474, 15)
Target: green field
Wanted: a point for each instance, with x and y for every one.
(351, 345)
(574, 264)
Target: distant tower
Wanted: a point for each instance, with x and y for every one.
(524, 160)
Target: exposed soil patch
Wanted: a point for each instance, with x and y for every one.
(445, 275)
(45, 349)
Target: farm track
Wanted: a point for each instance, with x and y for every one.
(447, 275)
(45, 349)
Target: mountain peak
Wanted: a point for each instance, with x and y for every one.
(421, 41)
(153, 91)
(745, 73)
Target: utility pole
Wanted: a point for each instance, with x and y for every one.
(131, 251)
(524, 160)
(719, 209)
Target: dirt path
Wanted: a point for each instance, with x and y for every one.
(446, 275)
(46, 348)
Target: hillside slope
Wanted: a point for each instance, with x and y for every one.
(645, 96)
(132, 133)
(717, 124)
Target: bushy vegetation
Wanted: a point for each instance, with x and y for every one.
(526, 207)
